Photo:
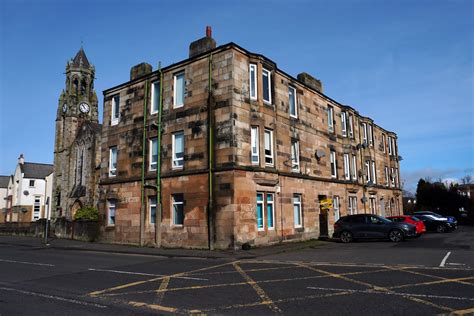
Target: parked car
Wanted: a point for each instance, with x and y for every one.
(437, 224)
(450, 219)
(420, 226)
(365, 226)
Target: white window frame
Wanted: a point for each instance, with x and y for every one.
(115, 110)
(367, 171)
(271, 155)
(336, 208)
(30, 183)
(269, 74)
(152, 166)
(392, 177)
(373, 204)
(272, 203)
(177, 163)
(111, 205)
(295, 156)
(175, 79)
(386, 176)
(253, 78)
(173, 203)
(333, 162)
(371, 135)
(364, 133)
(254, 145)
(330, 119)
(292, 91)
(154, 97)
(354, 168)
(262, 203)
(347, 169)
(394, 147)
(152, 204)
(351, 126)
(344, 124)
(383, 143)
(297, 220)
(396, 178)
(352, 205)
(374, 174)
(113, 152)
(390, 145)
(37, 208)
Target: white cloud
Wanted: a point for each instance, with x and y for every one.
(411, 178)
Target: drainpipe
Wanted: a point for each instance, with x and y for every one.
(142, 202)
(158, 169)
(210, 206)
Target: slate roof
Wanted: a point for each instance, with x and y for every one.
(4, 181)
(36, 170)
(81, 55)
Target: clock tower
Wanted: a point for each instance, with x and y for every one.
(78, 105)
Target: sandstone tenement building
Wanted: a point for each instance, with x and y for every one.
(224, 148)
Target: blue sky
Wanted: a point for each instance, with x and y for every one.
(406, 64)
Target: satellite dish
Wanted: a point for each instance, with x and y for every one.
(26, 192)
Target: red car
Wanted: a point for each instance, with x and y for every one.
(420, 226)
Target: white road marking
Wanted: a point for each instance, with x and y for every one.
(146, 274)
(58, 298)
(24, 262)
(443, 262)
(393, 293)
(455, 264)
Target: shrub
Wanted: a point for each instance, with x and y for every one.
(87, 213)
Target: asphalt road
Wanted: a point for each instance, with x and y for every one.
(427, 276)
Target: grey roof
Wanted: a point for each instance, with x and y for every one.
(81, 56)
(36, 170)
(4, 181)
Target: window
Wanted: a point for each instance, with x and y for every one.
(392, 176)
(270, 211)
(37, 208)
(386, 175)
(293, 102)
(351, 127)
(115, 113)
(335, 204)
(394, 148)
(253, 82)
(268, 147)
(178, 90)
(367, 171)
(354, 168)
(110, 212)
(372, 203)
(260, 214)
(295, 156)
(32, 183)
(267, 86)
(178, 209)
(347, 174)
(254, 145)
(371, 135)
(383, 142)
(178, 150)
(396, 178)
(333, 164)
(113, 161)
(364, 129)
(153, 154)
(374, 177)
(155, 97)
(152, 206)
(390, 145)
(298, 216)
(352, 206)
(344, 124)
(330, 119)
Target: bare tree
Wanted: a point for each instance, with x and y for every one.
(466, 179)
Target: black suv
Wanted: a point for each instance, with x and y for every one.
(364, 226)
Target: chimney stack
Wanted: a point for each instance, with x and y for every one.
(21, 159)
(202, 45)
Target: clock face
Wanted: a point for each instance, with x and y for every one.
(84, 107)
(64, 108)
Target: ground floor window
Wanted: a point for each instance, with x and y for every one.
(152, 207)
(335, 204)
(297, 211)
(178, 209)
(352, 205)
(110, 212)
(37, 208)
(373, 205)
(265, 201)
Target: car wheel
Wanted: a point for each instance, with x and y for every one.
(346, 237)
(395, 235)
(441, 229)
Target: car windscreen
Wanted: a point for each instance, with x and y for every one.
(416, 219)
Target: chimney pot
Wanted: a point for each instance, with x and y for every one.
(208, 31)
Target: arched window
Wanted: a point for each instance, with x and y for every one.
(75, 86)
(83, 87)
